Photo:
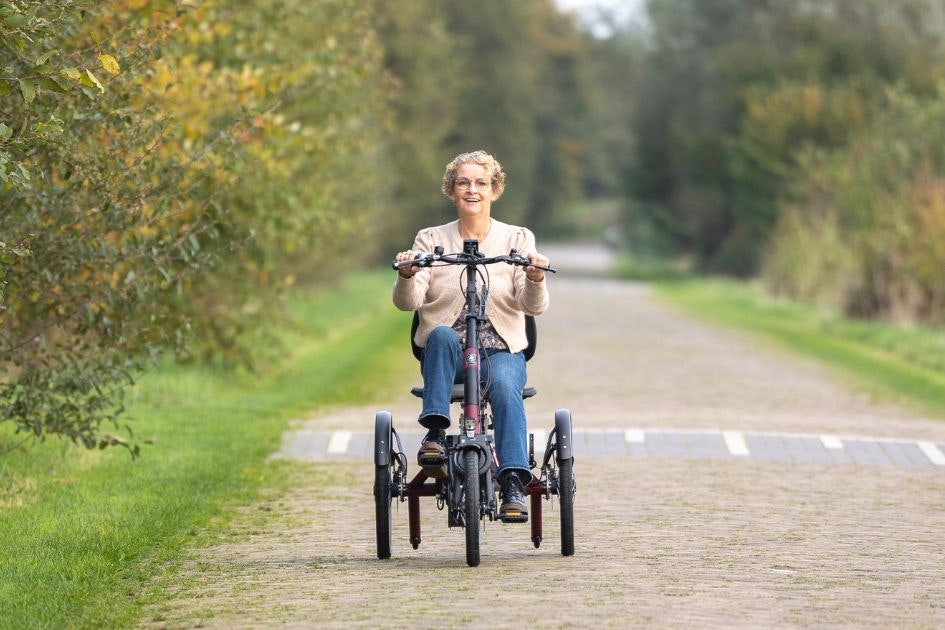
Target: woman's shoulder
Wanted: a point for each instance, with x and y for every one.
(516, 234)
(438, 231)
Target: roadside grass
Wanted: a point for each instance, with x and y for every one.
(84, 531)
(905, 364)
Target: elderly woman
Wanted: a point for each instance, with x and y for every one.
(473, 181)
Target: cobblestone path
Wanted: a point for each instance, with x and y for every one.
(723, 484)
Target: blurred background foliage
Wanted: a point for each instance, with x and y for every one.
(170, 168)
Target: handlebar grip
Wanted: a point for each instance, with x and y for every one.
(421, 261)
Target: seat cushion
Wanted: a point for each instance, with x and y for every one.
(459, 391)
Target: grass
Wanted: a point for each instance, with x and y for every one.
(907, 364)
(84, 531)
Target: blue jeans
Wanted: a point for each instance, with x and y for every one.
(504, 373)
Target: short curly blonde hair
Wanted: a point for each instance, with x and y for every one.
(483, 159)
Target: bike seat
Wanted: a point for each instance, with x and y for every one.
(459, 392)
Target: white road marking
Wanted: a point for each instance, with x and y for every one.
(932, 452)
(735, 443)
(307, 444)
(339, 442)
(832, 442)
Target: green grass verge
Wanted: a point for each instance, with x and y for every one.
(907, 364)
(84, 531)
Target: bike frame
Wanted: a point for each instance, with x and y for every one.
(472, 418)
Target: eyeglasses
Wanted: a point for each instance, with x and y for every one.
(465, 184)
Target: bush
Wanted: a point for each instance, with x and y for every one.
(865, 226)
(166, 168)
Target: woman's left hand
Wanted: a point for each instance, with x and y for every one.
(533, 273)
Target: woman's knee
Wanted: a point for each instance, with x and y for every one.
(442, 335)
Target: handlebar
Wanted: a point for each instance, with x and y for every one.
(439, 258)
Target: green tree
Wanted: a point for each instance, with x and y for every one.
(734, 91)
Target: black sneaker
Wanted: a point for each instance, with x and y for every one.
(432, 454)
(513, 509)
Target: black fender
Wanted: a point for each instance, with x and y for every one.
(563, 434)
(383, 429)
(483, 449)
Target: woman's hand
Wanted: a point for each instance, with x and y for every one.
(533, 273)
(407, 271)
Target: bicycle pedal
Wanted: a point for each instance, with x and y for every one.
(514, 517)
(433, 458)
(434, 467)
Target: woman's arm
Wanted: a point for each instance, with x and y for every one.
(410, 288)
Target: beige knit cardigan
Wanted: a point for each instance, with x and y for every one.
(438, 292)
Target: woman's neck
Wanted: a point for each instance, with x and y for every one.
(475, 228)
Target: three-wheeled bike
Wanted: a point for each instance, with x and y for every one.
(468, 490)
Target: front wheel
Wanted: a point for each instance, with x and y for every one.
(471, 505)
(382, 499)
(566, 489)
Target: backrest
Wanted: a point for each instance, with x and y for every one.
(531, 334)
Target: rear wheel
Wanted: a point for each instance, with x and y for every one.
(566, 489)
(382, 500)
(471, 505)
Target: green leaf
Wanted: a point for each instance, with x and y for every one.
(15, 21)
(45, 56)
(71, 73)
(28, 89)
(53, 126)
(5, 133)
(54, 84)
(89, 80)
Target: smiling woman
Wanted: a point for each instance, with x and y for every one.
(473, 181)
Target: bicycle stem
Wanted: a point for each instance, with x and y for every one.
(471, 421)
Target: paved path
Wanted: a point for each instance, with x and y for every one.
(723, 483)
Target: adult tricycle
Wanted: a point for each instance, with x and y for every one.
(468, 489)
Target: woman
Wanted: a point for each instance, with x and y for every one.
(473, 181)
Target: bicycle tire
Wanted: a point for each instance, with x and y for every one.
(382, 511)
(566, 489)
(471, 505)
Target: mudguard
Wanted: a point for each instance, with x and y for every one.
(383, 425)
(563, 434)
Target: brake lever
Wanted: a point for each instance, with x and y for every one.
(518, 259)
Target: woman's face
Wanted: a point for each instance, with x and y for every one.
(472, 192)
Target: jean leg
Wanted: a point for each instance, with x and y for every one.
(505, 374)
(440, 365)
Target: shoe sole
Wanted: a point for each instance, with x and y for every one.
(514, 517)
(433, 463)
(511, 514)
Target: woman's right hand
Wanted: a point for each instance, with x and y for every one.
(407, 271)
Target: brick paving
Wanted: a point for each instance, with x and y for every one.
(723, 483)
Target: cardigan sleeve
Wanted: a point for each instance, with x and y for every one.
(532, 296)
(409, 293)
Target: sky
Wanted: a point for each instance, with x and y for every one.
(623, 11)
